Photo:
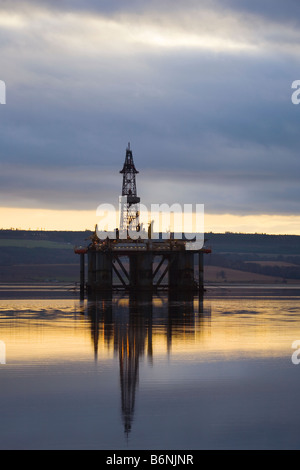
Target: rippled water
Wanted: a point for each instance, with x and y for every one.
(142, 373)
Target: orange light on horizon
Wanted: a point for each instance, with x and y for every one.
(74, 220)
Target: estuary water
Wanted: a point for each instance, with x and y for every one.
(161, 372)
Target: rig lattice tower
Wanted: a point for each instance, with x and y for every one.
(129, 201)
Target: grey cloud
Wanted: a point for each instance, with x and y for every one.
(60, 188)
(268, 9)
(213, 128)
(106, 7)
(287, 11)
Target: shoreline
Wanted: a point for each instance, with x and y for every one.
(67, 290)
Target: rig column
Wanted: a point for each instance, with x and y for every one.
(201, 277)
(82, 280)
(91, 270)
(181, 270)
(141, 270)
(103, 271)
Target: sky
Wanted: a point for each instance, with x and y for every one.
(200, 88)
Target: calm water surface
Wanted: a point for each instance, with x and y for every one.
(140, 373)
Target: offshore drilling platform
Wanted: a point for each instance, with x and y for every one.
(139, 264)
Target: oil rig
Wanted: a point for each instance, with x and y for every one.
(139, 264)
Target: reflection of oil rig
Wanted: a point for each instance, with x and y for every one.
(139, 263)
(130, 324)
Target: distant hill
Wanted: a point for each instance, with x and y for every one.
(43, 255)
(254, 243)
(71, 237)
(30, 256)
(276, 256)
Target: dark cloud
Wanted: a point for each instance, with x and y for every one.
(106, 7)
(269, 10)
(207, 124)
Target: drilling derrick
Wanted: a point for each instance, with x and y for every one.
(129, 202)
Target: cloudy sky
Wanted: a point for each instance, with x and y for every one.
(200, 88)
